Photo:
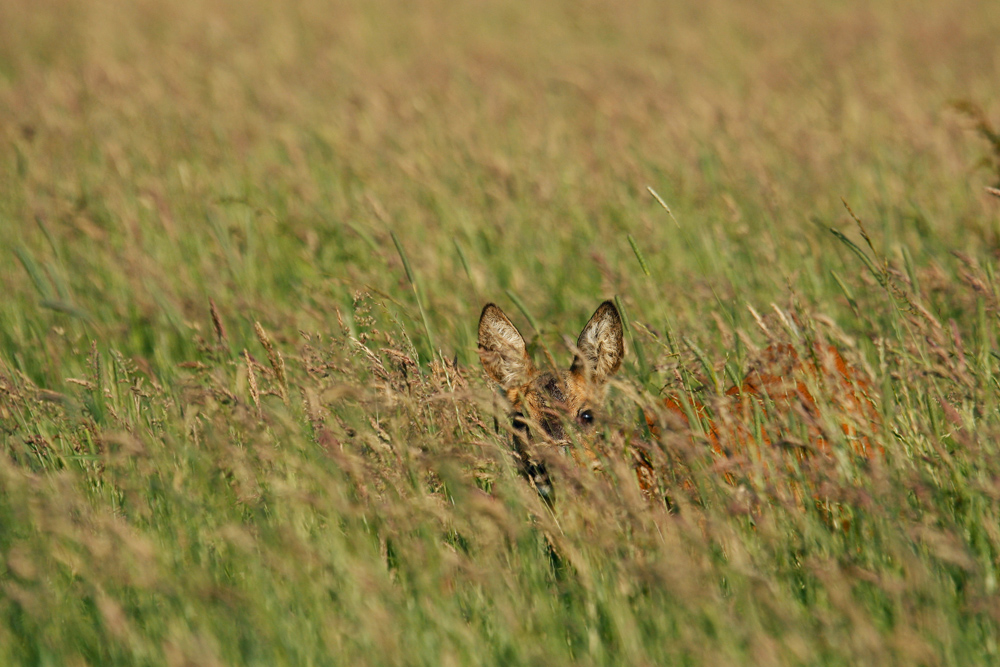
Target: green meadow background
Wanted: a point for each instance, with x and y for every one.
(243, 251)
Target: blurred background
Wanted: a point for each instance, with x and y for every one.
(260, 154)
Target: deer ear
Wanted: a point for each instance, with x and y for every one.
(600, 348)
(502, 350)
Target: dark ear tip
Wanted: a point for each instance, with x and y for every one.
(610, 305)
(487, 308)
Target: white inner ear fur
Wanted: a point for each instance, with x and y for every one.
(502, 349)
(601, 344)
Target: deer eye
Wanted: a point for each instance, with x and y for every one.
(586, 417)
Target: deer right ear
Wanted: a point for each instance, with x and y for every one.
(502, 349)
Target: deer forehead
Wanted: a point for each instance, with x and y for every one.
(566, 390)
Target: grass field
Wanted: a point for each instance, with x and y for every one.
(244, 247)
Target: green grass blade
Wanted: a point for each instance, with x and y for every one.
(410, 277)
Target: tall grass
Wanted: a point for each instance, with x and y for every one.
(241, 411)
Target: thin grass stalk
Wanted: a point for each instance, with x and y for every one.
(416, 291)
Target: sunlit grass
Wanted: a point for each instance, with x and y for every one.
(245, 248)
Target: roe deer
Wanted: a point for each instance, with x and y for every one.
(783, 380)
(545, 401)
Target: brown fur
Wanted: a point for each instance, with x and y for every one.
(783, 380)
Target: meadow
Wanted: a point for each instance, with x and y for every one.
(243, 251)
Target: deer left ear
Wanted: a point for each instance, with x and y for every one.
(600, 347)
